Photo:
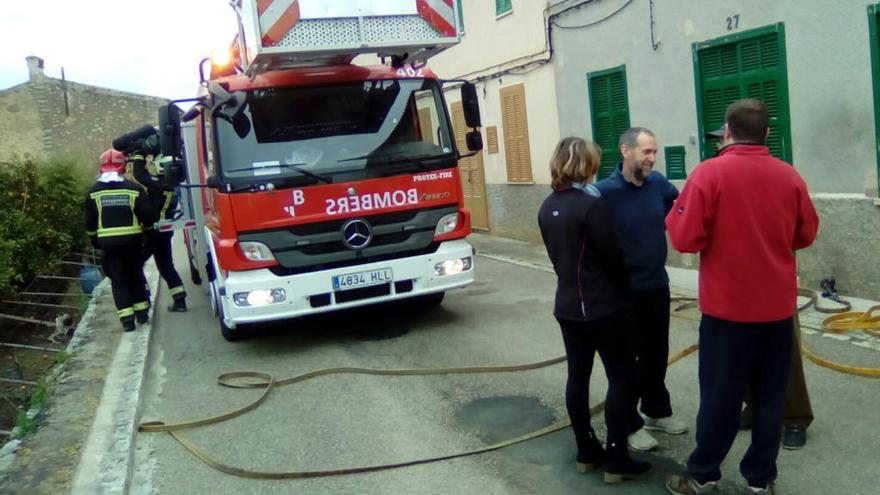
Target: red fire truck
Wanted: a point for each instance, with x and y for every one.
(313, 183)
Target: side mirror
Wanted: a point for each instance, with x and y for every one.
(169, 130)
(213, 182)
(241, 124)
(474, 140)
(470, 105)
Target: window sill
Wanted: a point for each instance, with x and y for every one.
(520, 183)
(503, 14)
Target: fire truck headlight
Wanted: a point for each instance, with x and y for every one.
(259, 297)
(256, 251)
(453, 267)
(447, 224)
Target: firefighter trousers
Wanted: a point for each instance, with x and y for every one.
(124, 265)
(159, 246)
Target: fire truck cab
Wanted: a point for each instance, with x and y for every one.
(310, 183)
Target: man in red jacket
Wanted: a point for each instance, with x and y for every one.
(746, 213)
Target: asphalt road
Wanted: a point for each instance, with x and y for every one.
(346, 421)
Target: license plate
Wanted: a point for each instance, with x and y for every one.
(362, 279)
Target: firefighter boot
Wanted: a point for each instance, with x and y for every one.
(179, 305)
(142, 312)
(128, 324)
(142, 316)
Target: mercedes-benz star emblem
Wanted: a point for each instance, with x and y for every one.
(356, 234)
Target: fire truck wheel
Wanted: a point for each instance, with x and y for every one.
(432, 300)
(230, 334)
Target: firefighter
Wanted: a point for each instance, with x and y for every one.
(158, 244)
(117, 212)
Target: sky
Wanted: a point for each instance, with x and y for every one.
(151, 47)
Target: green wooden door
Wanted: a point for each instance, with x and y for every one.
(609, 109)
(747, 65)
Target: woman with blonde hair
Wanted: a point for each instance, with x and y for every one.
(590, 305)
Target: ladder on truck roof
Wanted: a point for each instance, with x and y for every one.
(276, 34)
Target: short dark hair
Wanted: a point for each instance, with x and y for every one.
(748, 120)
(630, 136)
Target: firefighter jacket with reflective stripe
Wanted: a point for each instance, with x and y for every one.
(117, 213)
(162, 196)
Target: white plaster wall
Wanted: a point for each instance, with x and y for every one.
(491, 43)
(828, 62)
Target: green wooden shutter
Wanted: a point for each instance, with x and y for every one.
(610, 114)
(460, 16)
(675, 169)
(503, 6)
(874, 36)
(748, 65)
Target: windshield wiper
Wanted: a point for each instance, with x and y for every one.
(297, 167)
(398, 157)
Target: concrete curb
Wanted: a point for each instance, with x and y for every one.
(106, 461)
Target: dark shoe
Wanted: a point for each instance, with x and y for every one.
(682, 485)
(745, 420)
(625, 468)
(179, 306)
(767, 490)
(128, 326)
(794, 437)
(590, 458)
(143, 317)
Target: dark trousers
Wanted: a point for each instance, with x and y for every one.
(650, 313)
(582, 340)
(797, 408)
(159, 246)
(734, 354)
(124, 265)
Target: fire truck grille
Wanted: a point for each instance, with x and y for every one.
(319, 246)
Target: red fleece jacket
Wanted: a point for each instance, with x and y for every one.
(746, 213)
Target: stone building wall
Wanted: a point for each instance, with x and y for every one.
(40, 123)
(20, 131)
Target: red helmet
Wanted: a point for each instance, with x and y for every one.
(112, 161)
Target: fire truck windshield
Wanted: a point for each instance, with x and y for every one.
(341, 132)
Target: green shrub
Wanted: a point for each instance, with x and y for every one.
(41, 217)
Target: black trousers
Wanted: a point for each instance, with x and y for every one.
(609, 337)
(734, 354)
(159, 246)
(124, 265)
(650, 313)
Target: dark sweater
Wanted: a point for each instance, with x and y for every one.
(638, 214)
(591, 275)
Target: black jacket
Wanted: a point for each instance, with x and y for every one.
(162, 195)
(591, 274)
(116, 213)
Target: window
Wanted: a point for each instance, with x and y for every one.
(515, 126)
(675, 169)
(492, 139)
(460, 17)
(503, 6)
(747, 65)
(874, 34)
(610, 113)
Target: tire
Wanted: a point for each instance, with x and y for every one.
(194, 274)
(230, 334)
(432, 300)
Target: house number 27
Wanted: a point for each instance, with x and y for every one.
(733, 22)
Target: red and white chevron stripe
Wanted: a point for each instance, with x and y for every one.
(277, 17)
(439, 14)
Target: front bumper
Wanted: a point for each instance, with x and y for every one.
(311, 293)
